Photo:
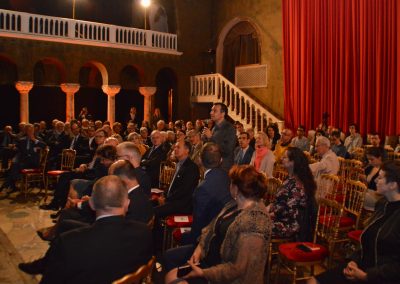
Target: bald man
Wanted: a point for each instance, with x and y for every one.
(103, 252)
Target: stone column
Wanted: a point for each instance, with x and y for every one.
(111, 91)
(23, 88)
(70, 89)
(147, 93)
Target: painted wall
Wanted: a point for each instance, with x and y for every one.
(267, 16)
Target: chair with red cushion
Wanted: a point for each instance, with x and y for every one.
(67, 163)
(30, 176)
(291, 255)
(328, 187)
(355, 236)
(170, 224)
(354, 201)
(178, 232)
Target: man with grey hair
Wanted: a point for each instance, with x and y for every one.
(153, 157)
(130, 152)
(329, 163)
(97, 253)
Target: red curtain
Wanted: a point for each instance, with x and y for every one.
(340, 57)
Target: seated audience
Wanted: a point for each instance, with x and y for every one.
(263, 159)
(293, 210)
(7, 151)
(153, 157)
(129, 151)
(283, 143)
(378, 260)
(178, 197)
(337, 146)
(196, 143)
(354, 140)
(74, 256)
(273, 135)
(329, 163)
(300, 141)
(233, 248)
(137, 140)
(27, 157)
(79, 144)
(375, 157)
(244, 152)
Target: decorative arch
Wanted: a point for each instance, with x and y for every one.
(224, 34)
(131, 77)
(93, 74)
(9, 71)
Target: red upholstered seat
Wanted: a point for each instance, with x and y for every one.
(344, 221)
(31, 171)
(355, 235)
(177, 234)
(55, 173)
(340, 198)
(292, 253)
(173, 221)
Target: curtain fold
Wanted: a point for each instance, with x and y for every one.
(341, 57)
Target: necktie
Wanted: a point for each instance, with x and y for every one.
(178, 166)
(73, 143)
(240, 156)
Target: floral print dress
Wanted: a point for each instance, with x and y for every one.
(284, 211)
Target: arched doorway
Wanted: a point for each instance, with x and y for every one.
(166, 83)
(92, 76)
(9, 108)
(129, 95)
(46, 99)
(238, 45)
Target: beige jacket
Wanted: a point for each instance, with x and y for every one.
(244, 249)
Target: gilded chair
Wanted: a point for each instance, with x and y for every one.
(67, 164)
(30, 176)
(140, 276)
(296, 255)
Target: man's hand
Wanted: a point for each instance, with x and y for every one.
(352, 272)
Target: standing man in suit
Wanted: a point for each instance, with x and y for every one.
(28, 156)
(133, 117)
(178, 198)
(244, 151)
(109, 249)
(223, 133)
(153, 157)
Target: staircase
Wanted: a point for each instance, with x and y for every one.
(214, 88)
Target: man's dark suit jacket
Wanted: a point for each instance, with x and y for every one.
(58, 142)
(10, 138)
(144, 180)
(140, 208)
(29, 157)
(101, 253)
(151, 163)
(179, 196)
(246, 158)
(81, 146)
(209, 198)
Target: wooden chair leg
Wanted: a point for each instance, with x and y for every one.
(269, 263)
(278, 270)
(294, 274)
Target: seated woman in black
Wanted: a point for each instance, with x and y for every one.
(379, 258)
(375, 157)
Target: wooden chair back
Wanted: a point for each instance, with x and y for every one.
(68, 159)
(141, 275)
(328, 221)
(167, 171)
(354, 199)
(358, 153)
(350, 168)
(279, 172)
(272, 187)
(327, 187)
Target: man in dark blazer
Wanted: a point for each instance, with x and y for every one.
(178, 198)
(244, 151)
(80, 144)
(153, 157)
(57, 140)
(109, 249)
(28, 156)
(7, 140)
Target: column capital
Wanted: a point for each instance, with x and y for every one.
(70, 88)
(147, 91)
(24, 87)
(111, 90)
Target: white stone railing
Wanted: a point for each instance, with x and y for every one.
(216, 88)
(39, 27)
